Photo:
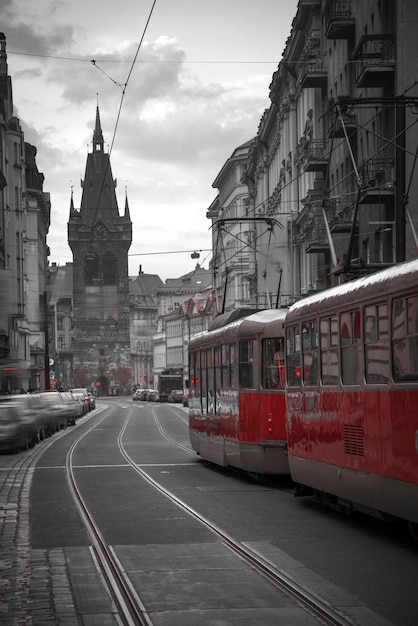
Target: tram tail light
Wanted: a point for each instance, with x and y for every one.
(270, 423)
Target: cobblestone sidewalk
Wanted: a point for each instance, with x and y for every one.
(34, 584)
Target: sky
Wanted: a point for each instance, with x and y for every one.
(179, 84)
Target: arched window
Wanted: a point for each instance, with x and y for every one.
(110, 269)
(92, 268)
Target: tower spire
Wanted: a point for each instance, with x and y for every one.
(71, 202)
(127, 214)
(97, 135)
(3, 55)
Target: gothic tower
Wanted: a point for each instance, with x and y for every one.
(100, 239)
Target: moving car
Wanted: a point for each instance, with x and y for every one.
(176, 396)
(92, 401)
(18, 424)
(152, 395)
(53, 411)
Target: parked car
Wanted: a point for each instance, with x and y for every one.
(18, 424)
(82, 392)
(74, 407)
(185, 399)
(137, 395)
(176, 396)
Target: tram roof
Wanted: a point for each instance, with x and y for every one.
(391, 279)
(257, 323)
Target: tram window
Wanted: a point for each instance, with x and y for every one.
(329, 350)
(211, 381)
(310, 353)
(246, 357)
(405, 339)
(225, 365)
(376, 340)
(272, 363)
(192, 369)
(218, 369)
(293, 357)
(233, 357)
(351, 369)
(203, 382)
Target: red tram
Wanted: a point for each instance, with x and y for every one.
(236, 384)
(352, 393)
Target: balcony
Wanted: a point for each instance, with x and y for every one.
(312, 233)
(339, 20)
(312, 73)
(340, 212)
(377, 181)
(346, 121)
(315, 157)
(375, 56)
(317, 240)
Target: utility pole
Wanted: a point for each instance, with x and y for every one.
(400, 213)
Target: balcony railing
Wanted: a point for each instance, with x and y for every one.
(315, 157)
(340, 212)
(311, 231)
(377, 178)
(375, 56)
(339, 20)
(313, 72)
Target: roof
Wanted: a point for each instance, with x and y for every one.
(144, 284)
(61, 282)
(193, 282)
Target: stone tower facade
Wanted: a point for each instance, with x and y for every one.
(100, 239)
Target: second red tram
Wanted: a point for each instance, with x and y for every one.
(236, 386)
(352, 393)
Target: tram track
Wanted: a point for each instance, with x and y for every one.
(316, 605)
(131, 610)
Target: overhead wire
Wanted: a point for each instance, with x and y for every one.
(123, 87)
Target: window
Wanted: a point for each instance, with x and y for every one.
(376, 343)
(351, 369)
(233, 356)
(246, 355)
(329, 350)
(310, 353)
(225, 365)
(405, 339)
(92, 269)
(272, 363)
(203, 381)
(293, 357)
(210, 380)
(218, 372)
(110, 269)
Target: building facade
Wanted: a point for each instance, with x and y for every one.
(100, 238)
(234, 242)
(24, 222)
(333, 162)
(143, 307)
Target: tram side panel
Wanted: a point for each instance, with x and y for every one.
(356, 439)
